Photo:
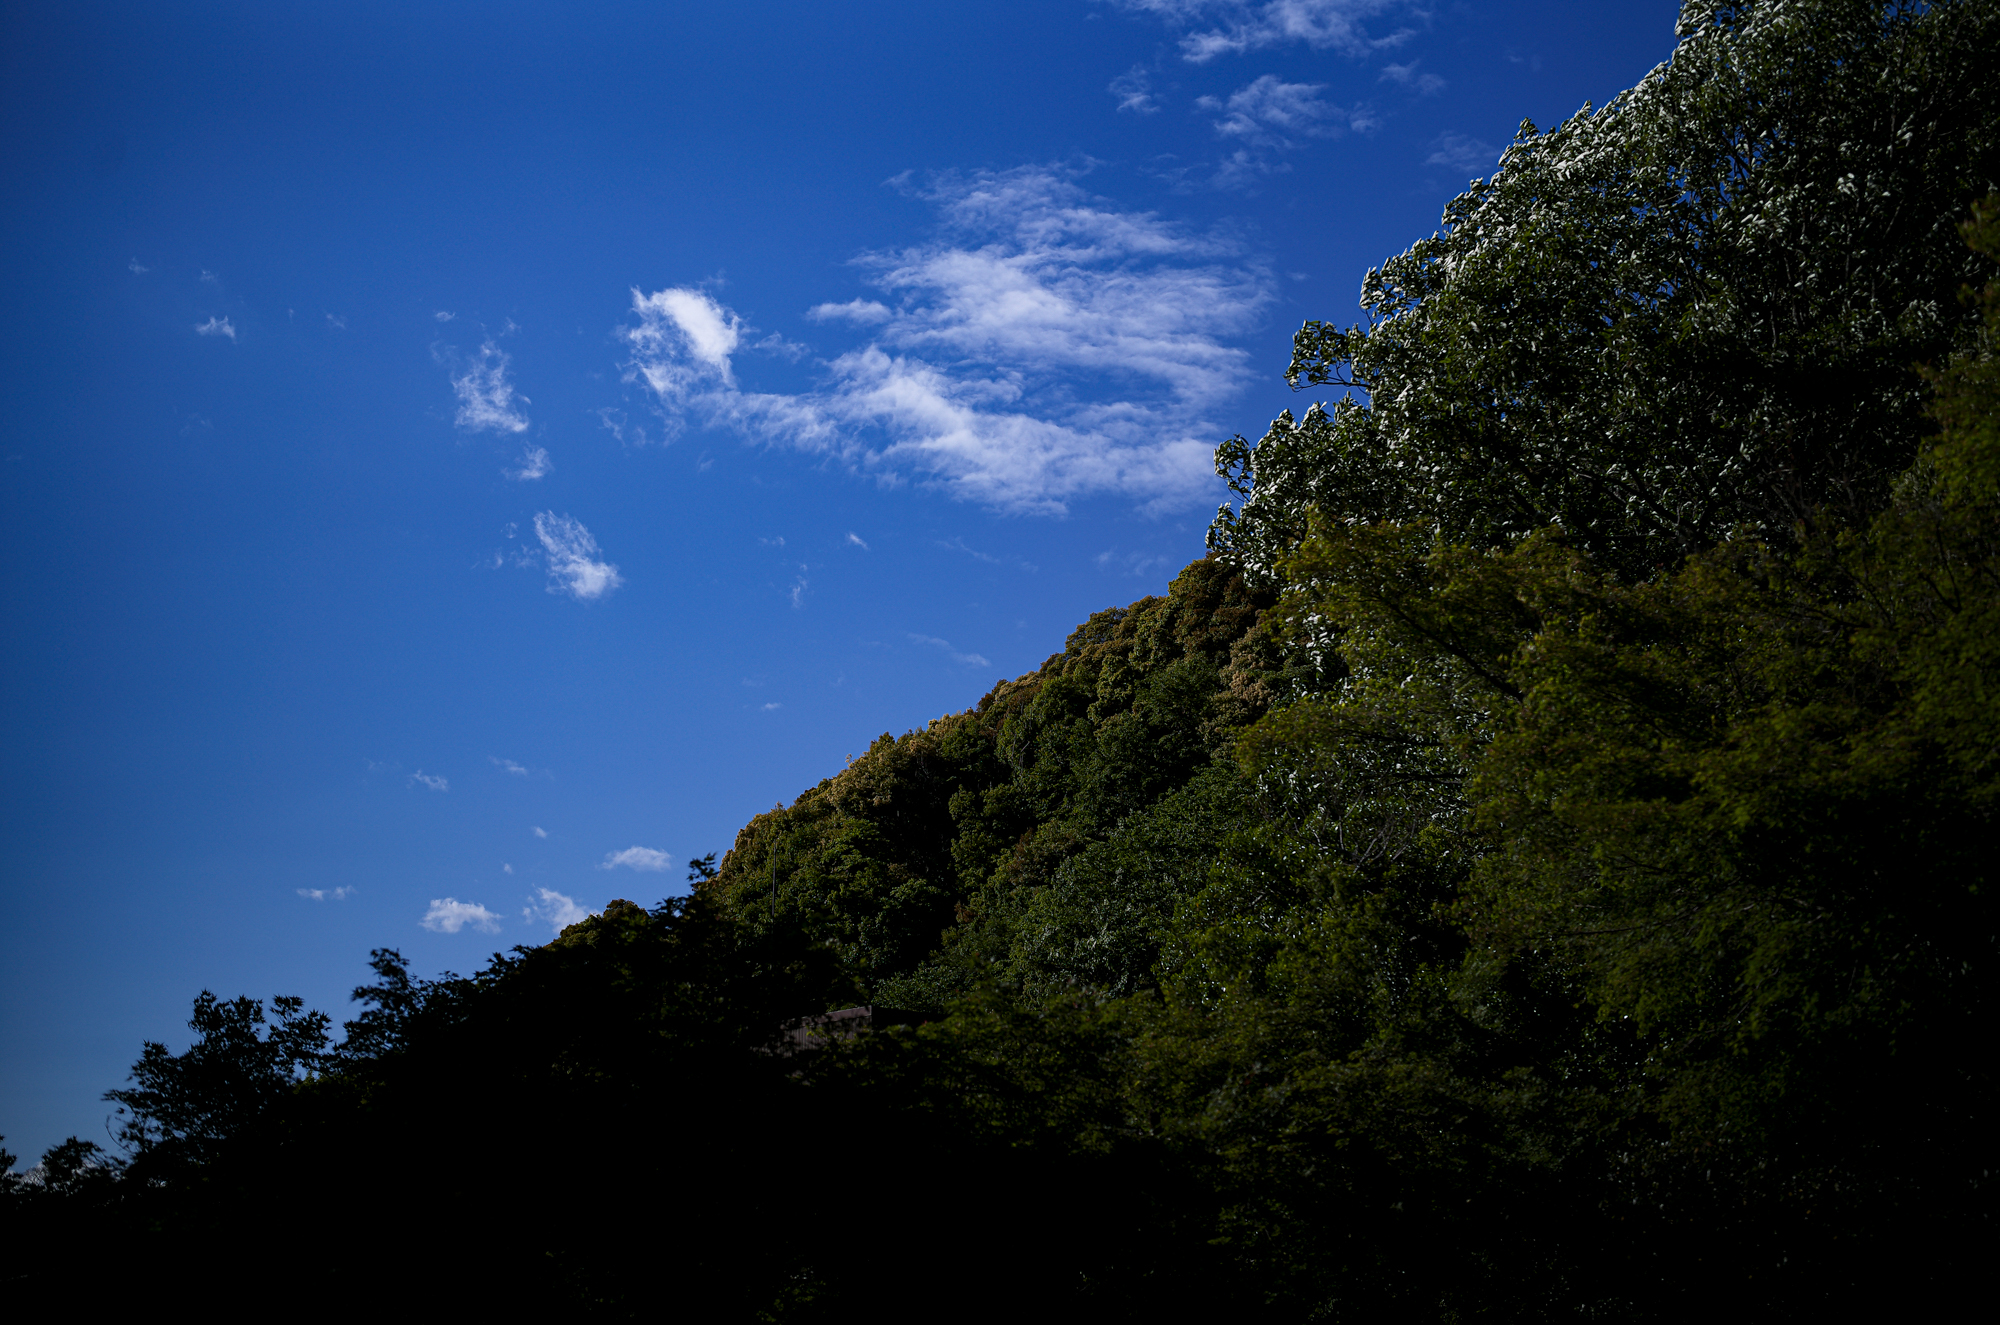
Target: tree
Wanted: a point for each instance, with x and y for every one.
(182, 1107)
(1692, 309)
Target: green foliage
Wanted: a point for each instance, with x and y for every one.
(990, 844)
(1692, 309)
(1670, 892)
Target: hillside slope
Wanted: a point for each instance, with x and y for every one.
(995, 841)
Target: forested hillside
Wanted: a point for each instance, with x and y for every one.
(1536, 865)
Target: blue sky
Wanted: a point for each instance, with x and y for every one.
(463, 460)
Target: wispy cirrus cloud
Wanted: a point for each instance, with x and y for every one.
(423, 779)
(216, 326)
(487, 400)
(534, 464)
(1210, 28)
(644, 859)
(1273, 113)
(1268, 116)
(575, 561)
(507, 766)
(448, 915)
(326, 894)
(1407, 75)
(1045, 346)
(865, 312)
(1134, 90)
(554, 909)
(969, 659)
(1458, 151)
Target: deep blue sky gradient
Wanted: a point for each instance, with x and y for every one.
(249, 582)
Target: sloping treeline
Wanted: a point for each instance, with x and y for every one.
(1537, 865)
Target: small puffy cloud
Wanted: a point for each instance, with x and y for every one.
(136, 268)
(541, 832)
(535, 463)
(772, 707)
(575, 567)
(1231, 27)
(855, 540)
(865, 311)
(799, 587)
(443, 316)
(644, 859)
(506, 869)
(325, 894)
(1134, 90)
(1457, 151)
(207, 276)
(969, 659)
(1406, 75)
(507, 766)
(421, 778)
(448, 915)
(487, 401)
(216, 326)
(554, 909)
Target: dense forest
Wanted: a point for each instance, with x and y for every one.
(1536, 865)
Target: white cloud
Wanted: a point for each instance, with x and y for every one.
(969, 659)
(136, 268)
(1406, 75)
(1134, 90)
(1138, 564)
(1044, 347)
(799, 587)
(1457, 151)
(855, 540)
(535, 463)
(621, 426)
(215, 326)
(772, 706)
(443, 316)
(324, 894)
(207, 276)
(1273, 113)
(1226, 27)
(681, 346)
(487, 401)
(644, 859)
(434, 783)
(551, 907)
(865, 311)
(337, 323)
(541, 832)
(506, 869)
(448, 915)
(573, 554)
(508, 766)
